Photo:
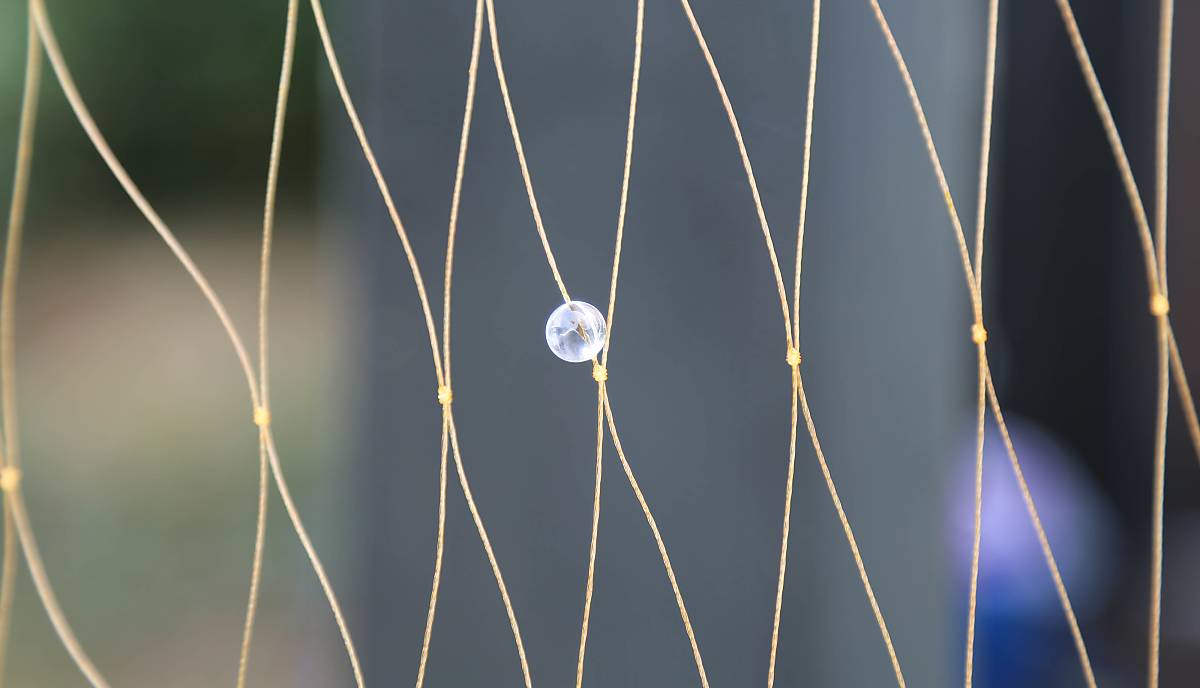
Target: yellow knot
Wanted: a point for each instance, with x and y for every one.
(445, 395)
(599, 373)
(1159, 305)
(262, 417)
(793, 357)
(10, 477)
(978, 333)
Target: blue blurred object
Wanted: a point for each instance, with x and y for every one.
(1023, 637)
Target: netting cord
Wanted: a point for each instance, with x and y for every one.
(556, 274)
(793, 355)
(262, 415)
(10, 458)
(976, 299)
(445, 392)
(749, 169)
(600, 368)
(448, 420)
(16, 515)
(1170, 362)
(798, 386)
(1154, 255)
(58, 63)
(979, 333)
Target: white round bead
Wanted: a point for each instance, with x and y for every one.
(575, 331)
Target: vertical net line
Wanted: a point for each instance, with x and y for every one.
(787, 526)
(1040, 531)
(439, 550)
(520, 148)
(1140, 219)
(1185, 393)
(448, 277)
(1114, 140)
(385, 193)
(1162, 127)
(633, 100)
(58, 63)
(17, 530)
(12, 256)
(260, 527)
(1163, 397)
(75, 100)
(662, 548)
(15, 515)
(1035, 519)
(488, 549)
(591, 569)
(293, 513)
(601, 377)
(980, 334)
(931, 150)
(814, 43)
(456, 194)
(1157, 279)
(526, 176)
(810, 101)
(977, 514)
(797, 383)
(745, 156)
(41, 583)
(850, 539)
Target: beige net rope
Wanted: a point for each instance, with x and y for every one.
(1154, 254)
(600, 372)
(1155, 261)
(262, 415)
(445, 394)
(41, 36)
(11, 459)
(793, 358)
(979, 334)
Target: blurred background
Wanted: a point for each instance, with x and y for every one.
(141, 462)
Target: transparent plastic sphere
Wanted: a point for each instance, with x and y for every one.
(575, 331)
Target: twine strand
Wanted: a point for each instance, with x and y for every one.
(977, 304)
(1043, 541)
(8, 288)
(591, 569)
(262, 414)
(849, 532)
(979, 334)
(58, 63)
(745, 156)
(662, 547)
(810, 100)
(539, 225)
(793, 358)
(487, 548)
(625, 173)
(1154, 256)
(418, 280)
(523, 164)
(445, 394)
(439, 549)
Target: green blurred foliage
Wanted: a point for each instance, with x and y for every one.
(184, 92)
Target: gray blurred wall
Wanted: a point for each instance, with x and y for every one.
(698, 380)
